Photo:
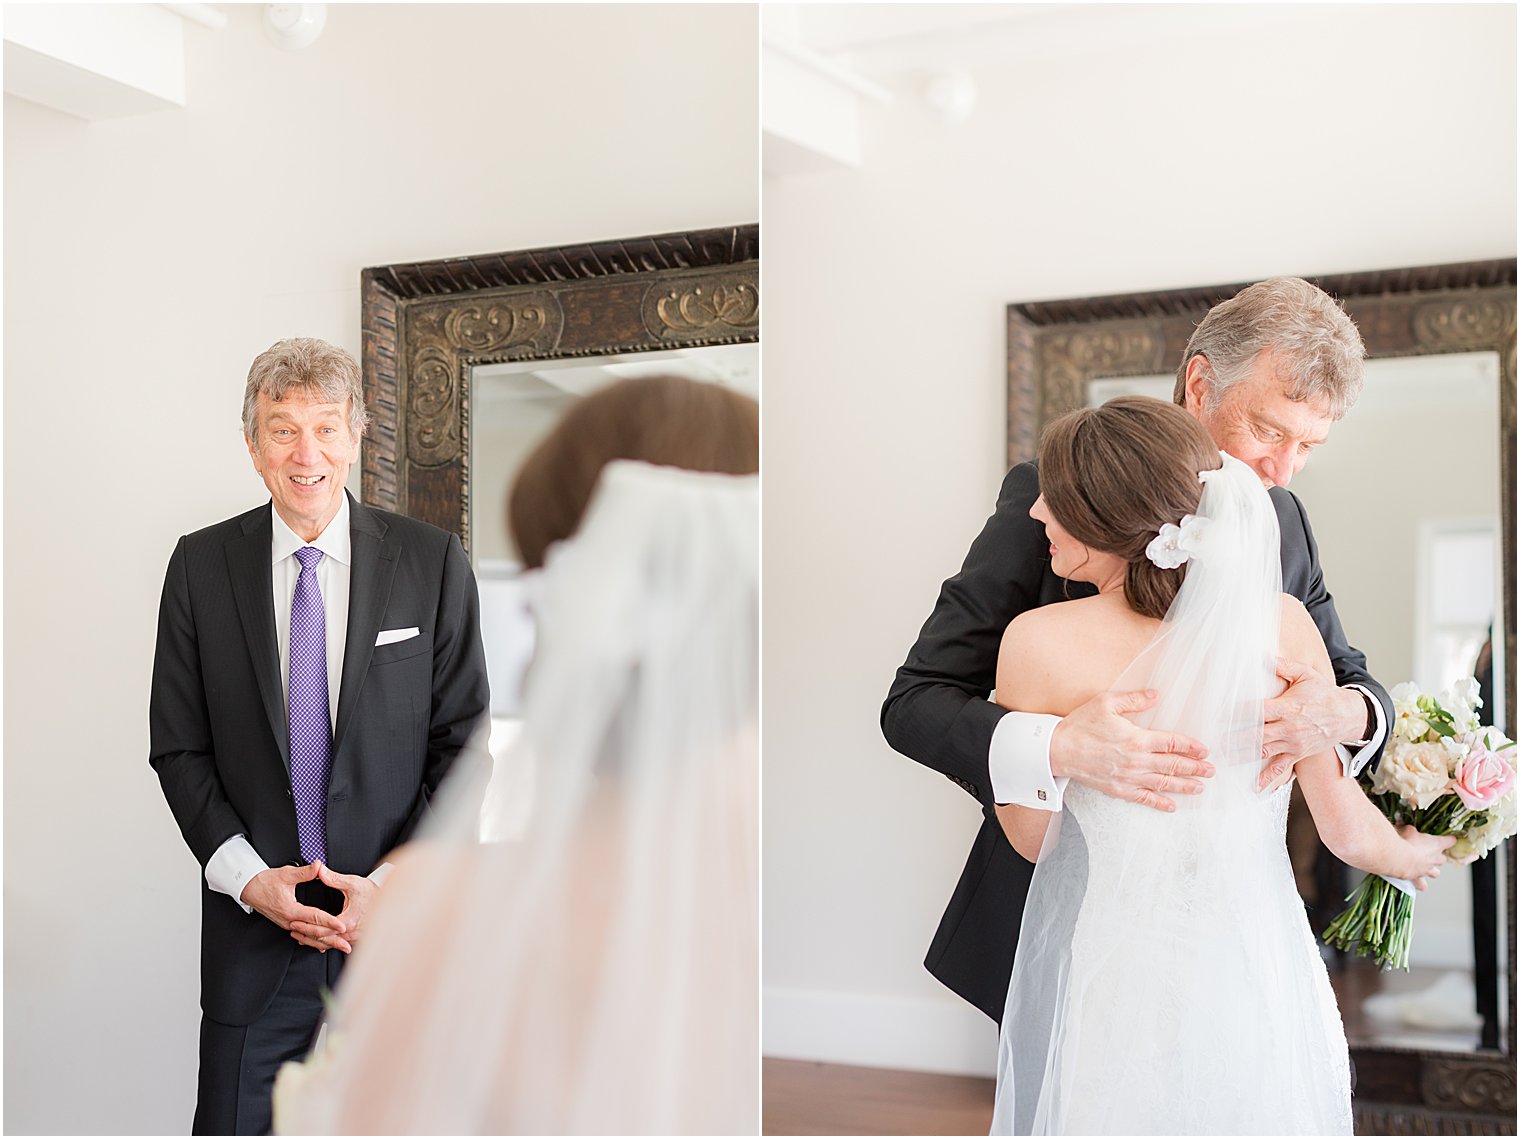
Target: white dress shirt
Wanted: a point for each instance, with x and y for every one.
(235, 862)
(1018, 760)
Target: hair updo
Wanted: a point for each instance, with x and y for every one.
(1114, 475)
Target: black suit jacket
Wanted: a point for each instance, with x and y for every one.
(937, 710)
(220, 739)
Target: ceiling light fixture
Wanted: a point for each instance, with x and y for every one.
(294, 26)
(951, 95)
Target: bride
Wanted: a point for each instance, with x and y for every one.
(1167, 980)
(599, 975)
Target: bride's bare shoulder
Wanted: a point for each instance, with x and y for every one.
(1054, 657)
(1051, 624)
(1299, 637)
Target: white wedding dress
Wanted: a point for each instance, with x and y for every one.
(1166, 980)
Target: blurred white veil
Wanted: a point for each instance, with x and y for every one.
(599, 975)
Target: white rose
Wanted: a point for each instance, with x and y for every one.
(1416, 772)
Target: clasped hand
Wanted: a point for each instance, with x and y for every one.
(272, 893)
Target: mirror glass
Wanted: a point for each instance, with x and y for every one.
(1404, 501)
(513, 406)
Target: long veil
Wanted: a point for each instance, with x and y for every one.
(1144, 933)
(600, 974)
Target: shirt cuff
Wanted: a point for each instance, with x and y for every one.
(232, 867)
(1018, 762)
(380, 873)
(1352, 761)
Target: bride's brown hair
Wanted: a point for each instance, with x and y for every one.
(667, 420)
(1114, 475)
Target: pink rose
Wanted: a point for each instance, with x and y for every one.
(1482, 778)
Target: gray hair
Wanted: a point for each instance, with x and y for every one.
(323, 371)
(1319, 351)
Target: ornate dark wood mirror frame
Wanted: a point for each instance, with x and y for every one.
(426, 324)
(1056, 347)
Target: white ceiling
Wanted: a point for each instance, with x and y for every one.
(825, 64)
(886, 41)
(848, 28)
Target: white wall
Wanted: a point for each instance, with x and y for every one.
(147, 261)
(1156, 149)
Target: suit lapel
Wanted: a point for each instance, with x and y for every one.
(1293, 543)
(253, 587)
(369, 591)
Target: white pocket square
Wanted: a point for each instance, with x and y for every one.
(391, 636)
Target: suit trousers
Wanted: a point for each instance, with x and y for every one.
(238, 1062)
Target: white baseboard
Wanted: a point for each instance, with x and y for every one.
(879, 1032)
(949, 1036)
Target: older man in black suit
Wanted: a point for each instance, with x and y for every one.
(1267, 372)
(319, 670)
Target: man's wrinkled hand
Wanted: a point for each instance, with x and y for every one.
(272, 893)
(1098, 745)
(1309, 718)
(358, 892)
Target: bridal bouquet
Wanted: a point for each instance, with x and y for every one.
(1442, 773)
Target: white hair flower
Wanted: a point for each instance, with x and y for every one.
(1173, 544)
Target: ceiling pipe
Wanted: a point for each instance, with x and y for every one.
(826, 67)
(203, 14)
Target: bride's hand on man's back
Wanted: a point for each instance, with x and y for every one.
(1098, 745)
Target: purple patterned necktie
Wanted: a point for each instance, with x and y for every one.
(310, 725)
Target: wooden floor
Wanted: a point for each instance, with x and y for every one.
(802, 1097)
(1361, 979)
